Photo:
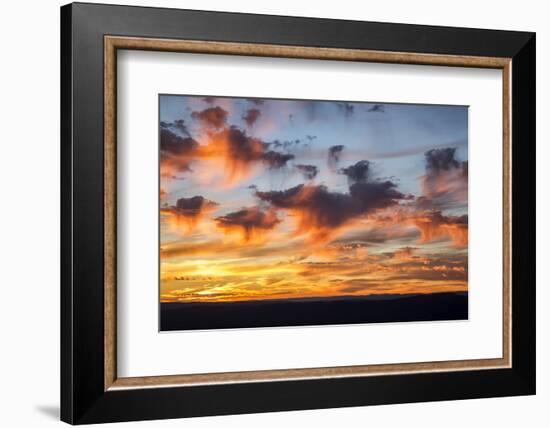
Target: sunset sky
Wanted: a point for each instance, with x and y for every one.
(271, 199)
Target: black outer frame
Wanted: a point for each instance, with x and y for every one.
(83, 399)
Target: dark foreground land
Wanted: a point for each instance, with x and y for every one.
(314, 311)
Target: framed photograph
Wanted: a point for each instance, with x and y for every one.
(265, 222)
(266, 213)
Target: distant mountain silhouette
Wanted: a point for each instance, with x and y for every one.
(314, 311)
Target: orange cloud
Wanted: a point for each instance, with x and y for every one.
(238, 153)
(229, 149)
(373, 274)
(179, 249)
(395, 223)
(434, 225)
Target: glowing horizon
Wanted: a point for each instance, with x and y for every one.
(277, 199)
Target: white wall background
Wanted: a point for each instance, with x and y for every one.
(29, 214)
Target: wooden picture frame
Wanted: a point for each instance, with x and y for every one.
(91, 390)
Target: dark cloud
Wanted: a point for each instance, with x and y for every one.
(358, 172)
(329, 209)
(177, 125)
(209, 100)
(285, 144)
(215, 117)
(175, 152)
(377, 108)
(311, 137)
(249, 221)
(376, 194)
(256, 101)
(309, 172)
(188, 211)
(175, 145)
(320, 210)
(191, 206)
(243, 147)
(251, 116)
(445, 183)
(180, 126)
(334, 155)
(346, 109)
(443, 159)
(241, 151)
(276, 160)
